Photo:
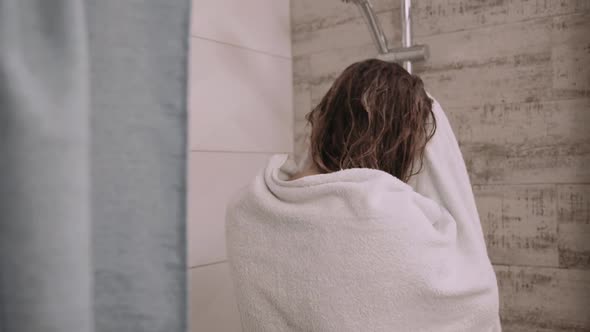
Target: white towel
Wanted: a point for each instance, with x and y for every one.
(360, 250)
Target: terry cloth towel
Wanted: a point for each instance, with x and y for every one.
(360, 250)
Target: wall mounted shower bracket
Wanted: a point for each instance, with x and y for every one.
(407, 52)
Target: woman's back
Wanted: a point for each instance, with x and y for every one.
(385, 238)
(355, 250)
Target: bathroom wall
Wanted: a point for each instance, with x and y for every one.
(240, 110)
(514, 79)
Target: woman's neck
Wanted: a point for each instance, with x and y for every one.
(310, 169)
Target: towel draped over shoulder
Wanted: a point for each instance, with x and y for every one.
(360, 250)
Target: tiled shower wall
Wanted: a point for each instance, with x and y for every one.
(240, 113)
(514, 79)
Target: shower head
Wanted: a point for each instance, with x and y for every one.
(373, 23)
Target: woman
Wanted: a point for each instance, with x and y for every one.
(378, 231)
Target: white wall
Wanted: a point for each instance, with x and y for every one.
(240, 113)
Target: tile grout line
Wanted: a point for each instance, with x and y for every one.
(534, 266)
(290, 58)
(532, 184)
(244, 152)
(206, 265)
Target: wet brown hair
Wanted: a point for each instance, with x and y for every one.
(376, 115)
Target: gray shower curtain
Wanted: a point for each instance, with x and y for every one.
(92, 165)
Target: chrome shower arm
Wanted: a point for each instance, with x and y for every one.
(407, 52)
(373, 23)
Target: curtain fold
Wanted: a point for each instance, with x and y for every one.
(45, 257)
(93, 165)
(138, 57)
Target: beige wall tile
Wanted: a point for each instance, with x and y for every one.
(214, 177)
(261, 25)
(544, 298)
(433, 17)
(344, 34)
(519, 222)
(240, 100)
(314, 15)
(573, 207)
(213, 304)
(571, 56)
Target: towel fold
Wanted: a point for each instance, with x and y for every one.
(360, 250)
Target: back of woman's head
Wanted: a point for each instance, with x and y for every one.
(376, 115)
